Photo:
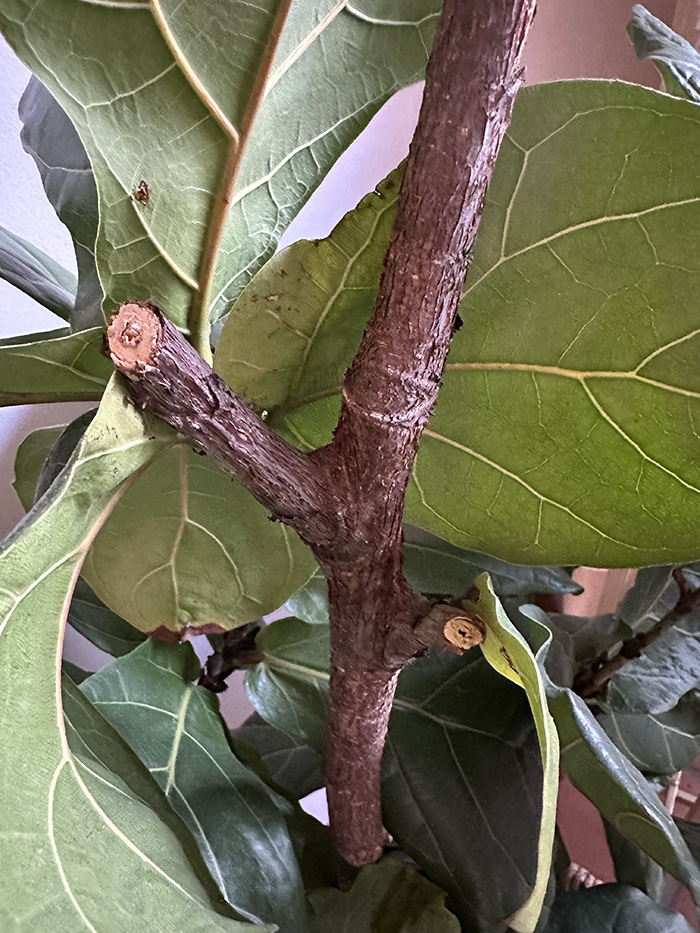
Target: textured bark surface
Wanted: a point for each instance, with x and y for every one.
(346, 500)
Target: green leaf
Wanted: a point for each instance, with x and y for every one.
(454, 717)
(104, 628)
(50, 138)
(691, 833)
(576, 643)
(568, 450)
(677, 61)
(75, 673)
(667, 669)
(202, 552)
(97, 747)
(609, 780)
(388, 897)
(195, 523)
(310, 603)
(62, 368)
(62, 451)
(653, 596)
(78, 849)
(239, 116)
(508, 653)
(632, 866)
(436, 566)
(297, 326)
(660, 743)
(612, 908)
(175, 729)
(289, 688)
(295, 767)
(31, 454)
(42, 278)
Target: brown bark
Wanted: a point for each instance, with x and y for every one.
(346, 500)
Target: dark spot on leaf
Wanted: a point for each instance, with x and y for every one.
(142, 194)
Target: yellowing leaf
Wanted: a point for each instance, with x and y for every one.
(507, 652)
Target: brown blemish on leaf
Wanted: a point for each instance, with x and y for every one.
(141, 193)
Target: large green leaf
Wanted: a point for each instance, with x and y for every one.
(564, 429)
(612, 908)
(297, 326)
(175, 729)
(59, 367)
(677, 60)
(107, 764)
(668, 668)
(609, 780)
(295, 767)
(50, 138)
(205, 553)
(436, 566)
(453, 717)
(195, 524)
(255, 127)
(508, 653)
(660, 743)
(389, 897)
(78, 850)
(28, 268)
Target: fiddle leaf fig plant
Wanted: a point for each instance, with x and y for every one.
(405, 460)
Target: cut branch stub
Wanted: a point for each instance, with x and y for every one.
(133, 337)
(451, 628)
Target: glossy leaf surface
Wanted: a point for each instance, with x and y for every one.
(572, 449)
(389, 897)
(238, 115)
(36, 274)
(176, 731)
(453, 716)
(77, 847)
(653, 596)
